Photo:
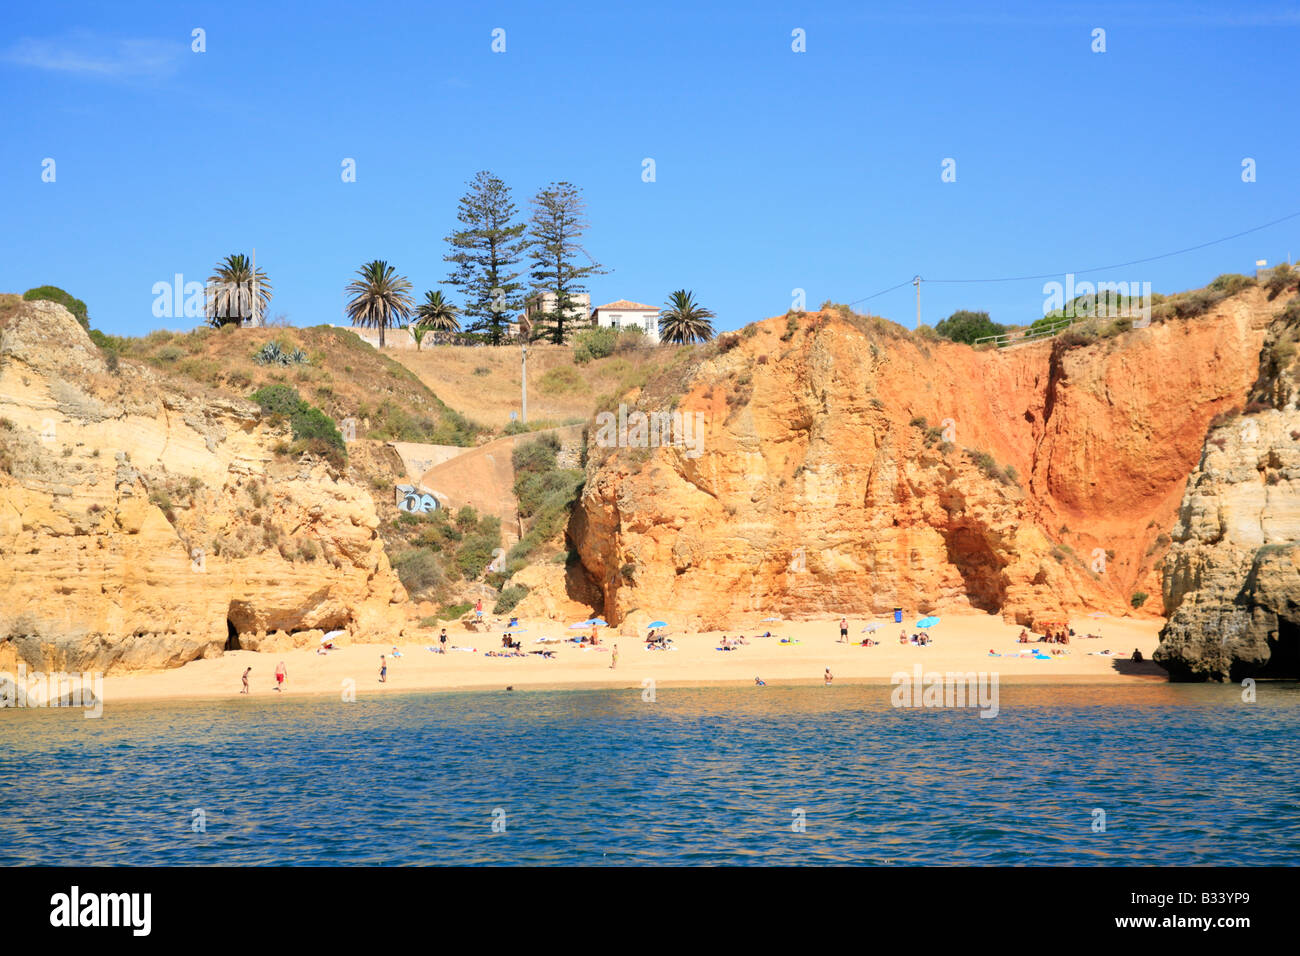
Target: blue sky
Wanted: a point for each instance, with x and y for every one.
(775, 170)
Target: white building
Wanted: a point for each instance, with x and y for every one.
(625, 315)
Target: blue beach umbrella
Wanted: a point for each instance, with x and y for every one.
(653, 624)
(927, 622)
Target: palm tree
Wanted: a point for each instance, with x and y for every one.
(236, 293)
(435, 314)
(685, 320)
(380, 298)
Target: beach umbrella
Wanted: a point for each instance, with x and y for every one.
(580, 626)
(654, 624)
(516, 630)
(332, 636)
(927, 622)
(597, 622)
(874, 625)
(770, 620)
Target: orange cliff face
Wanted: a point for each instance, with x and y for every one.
(816, 489)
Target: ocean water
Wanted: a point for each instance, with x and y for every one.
(1186, 774)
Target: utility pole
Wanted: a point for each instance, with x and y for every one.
(524, 379)
(252, 322)
(916, 281)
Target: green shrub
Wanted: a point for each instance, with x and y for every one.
(560, 380)
(594, 343)
(418, 570)
(966, 326)
(1279, 279)
(1230, 283)
(52, 293)
(1138, 599)
(475, 554)
(509, 598)
(313, 430)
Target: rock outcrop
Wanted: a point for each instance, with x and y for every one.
(845, 467)
(1232, 576)
(143, 525)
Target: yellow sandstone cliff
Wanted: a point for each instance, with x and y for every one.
(143, 525)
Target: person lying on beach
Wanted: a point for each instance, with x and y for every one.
(396, 652)
(760, 682)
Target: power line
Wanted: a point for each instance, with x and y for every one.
(1118, 265)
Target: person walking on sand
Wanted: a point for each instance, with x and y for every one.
(246, 673)
(280, 675)
(478, 610)
(613, 658)
(844, 631)
(828, 677)
(383, 670)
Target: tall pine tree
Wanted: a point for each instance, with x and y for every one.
(485, 251)
(555, 231)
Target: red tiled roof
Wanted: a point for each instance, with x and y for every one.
(623, 305)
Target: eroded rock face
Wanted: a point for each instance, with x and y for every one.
(143, 525)
(818, 490)
(1232, 577)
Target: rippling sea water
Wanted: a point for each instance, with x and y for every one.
(1186, 774)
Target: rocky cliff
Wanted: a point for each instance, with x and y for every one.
(1232, 576)
(846, 466)
(145, 524)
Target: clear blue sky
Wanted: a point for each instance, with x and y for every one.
(776, 170)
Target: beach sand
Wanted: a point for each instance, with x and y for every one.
(961, 643)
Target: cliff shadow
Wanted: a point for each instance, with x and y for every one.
(979, 566)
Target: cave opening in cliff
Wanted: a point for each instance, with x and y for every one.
(1284, 652)
(981, 570)
(232, 636)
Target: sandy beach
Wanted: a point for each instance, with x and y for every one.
(961, 642)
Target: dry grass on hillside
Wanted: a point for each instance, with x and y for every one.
(483, 383)
(338, 373)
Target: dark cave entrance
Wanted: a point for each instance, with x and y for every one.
(981, 571)
(1284, 652)
(232, 636)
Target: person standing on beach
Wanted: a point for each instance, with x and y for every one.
(828, 677)
(844, 630)
(613, 658)
(442, 642)
(246, 673)
(478, 610)
(383, 670)
(280, 675)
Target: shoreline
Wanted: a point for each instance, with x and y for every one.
(961, 645)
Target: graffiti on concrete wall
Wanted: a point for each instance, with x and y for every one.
(415, 500)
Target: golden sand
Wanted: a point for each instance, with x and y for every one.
(961, 643)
